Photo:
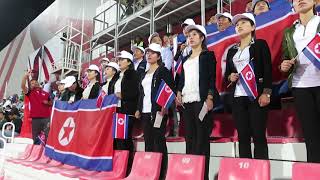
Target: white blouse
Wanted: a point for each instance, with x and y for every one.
(146, 84)
(105, 87)
(87, 90)
(306, 74)
(240, 60)
(191, 90)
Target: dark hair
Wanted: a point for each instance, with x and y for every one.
(131, 65)
(159, 61)
(98, 76)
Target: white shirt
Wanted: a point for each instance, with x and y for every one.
(117, 86)
(240, 60)
(105, 87)
(136, 63)
(146, 84)
(191, 90)
(306, 74)
(167, 57)
(87, 90)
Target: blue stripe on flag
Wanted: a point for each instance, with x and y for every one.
(126, 127)
(312, 57)
(73, 160)
(246, 88)
(114, 121)
(86, 104)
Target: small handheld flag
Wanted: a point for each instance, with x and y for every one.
(120, 126)
(165, 95)
(312, 51)
(100, 98)
(248, 81)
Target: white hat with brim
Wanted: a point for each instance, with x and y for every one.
(225, 14)
(68, 81)
(114, 65)
(154, 47)
(125, 55)
(188, 22)
(105, 59)
(237, 17)
(138, 47)
(197, 27)
(93, 67)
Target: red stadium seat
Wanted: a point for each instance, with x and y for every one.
(146, 166)
(34, 155)
(244, 169)
(58, 169)
(185, 167)
(43, 159)
(307, 171)
(24, 155)
(51, 163)
(120, 163)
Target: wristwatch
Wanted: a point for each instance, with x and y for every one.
(268, 95)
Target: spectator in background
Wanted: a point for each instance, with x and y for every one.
(248, 7)
(15, 119)
(138, 41)
(60, 91)
(223, 21)
(112, 75)
(2, 119)
(212, 20)
(40, 104)
(250, 115)
(126, 89)
(197, 91)
(93, 88)
(166, 40)
(184, 49)
(140, 64)
(73, 91)
(103, 63)
(260, 6)
(303, 75)
(166, 53)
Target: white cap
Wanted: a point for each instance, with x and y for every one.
(154, 47)
(138, 47)
(125, 55)
(105, 59)
(93, 67)
(237, 17)
(114, 65)
(254, 2)
(152, 36)
(188, 22)
(68, 81)
(225, 14)
(197, 27)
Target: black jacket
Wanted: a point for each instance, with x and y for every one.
(65, 96)
(207, 75)
(94, 93)
(129, 92)
(261, 58)
(161, 73)
(111, 84)
(141, 69)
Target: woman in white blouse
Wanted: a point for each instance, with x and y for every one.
(197, 91)
(93, 88)
(304, 74)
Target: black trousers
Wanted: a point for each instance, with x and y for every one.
(125, 144)
(197, 133)
(38, 125)
(307, 103)
(155, 140)
(251, 121)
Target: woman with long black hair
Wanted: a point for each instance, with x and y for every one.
(148, 109)
(249, 110)
(93, 88)
(126, 89)
(304, 76)
(197, 91)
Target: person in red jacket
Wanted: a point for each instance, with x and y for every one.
(40, 104)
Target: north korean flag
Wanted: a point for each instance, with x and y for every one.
(100, 98)
(120, 126)
(165, 95)
(312, 51)
(248, 81)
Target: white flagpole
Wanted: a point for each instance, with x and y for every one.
(81, 44)
(5, 91)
